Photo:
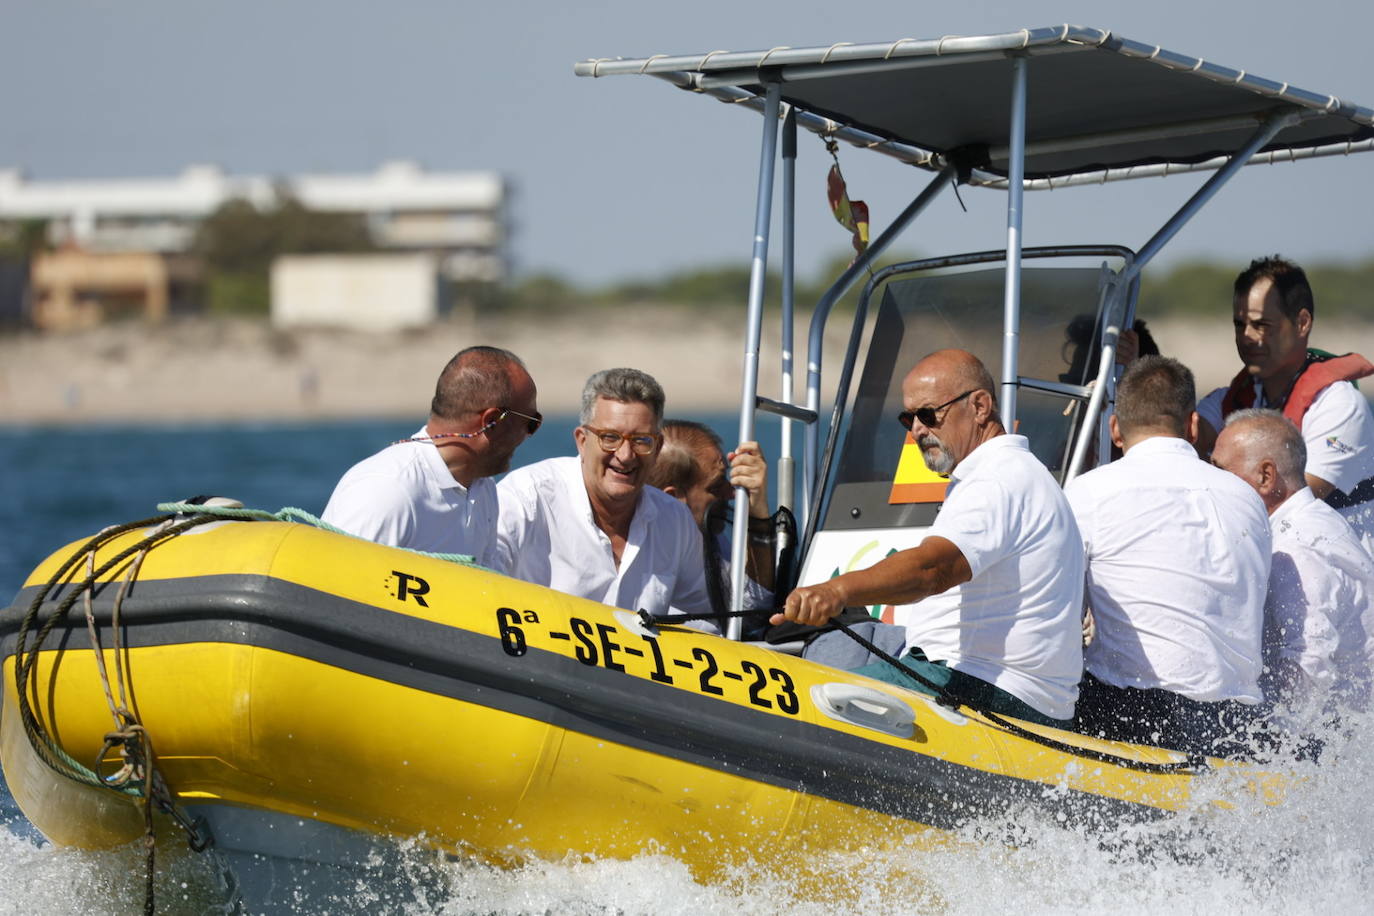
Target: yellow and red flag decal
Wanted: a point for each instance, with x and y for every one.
(914, 482)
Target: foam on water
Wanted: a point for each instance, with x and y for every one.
(1309, 854)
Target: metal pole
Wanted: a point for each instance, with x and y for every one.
(763, 211)
(816, 341)
(1131, 274)
(1011, 306)
(1271, 126)
(786, 464)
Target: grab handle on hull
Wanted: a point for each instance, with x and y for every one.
(866, 707)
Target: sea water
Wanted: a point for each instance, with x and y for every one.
(1225, 854)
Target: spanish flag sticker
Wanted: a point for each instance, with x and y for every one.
(914, 482)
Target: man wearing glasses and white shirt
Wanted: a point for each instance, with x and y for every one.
(434, 491)
(588, 525)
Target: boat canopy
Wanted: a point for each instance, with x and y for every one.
(1017, 111)
(932, 102)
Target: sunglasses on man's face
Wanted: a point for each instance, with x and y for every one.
(929, 417)
(532, 423)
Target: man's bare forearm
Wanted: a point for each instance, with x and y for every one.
(928, 569)
(907, 576)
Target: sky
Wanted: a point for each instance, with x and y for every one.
(626, 176)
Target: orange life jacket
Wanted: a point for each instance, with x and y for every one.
(1321, 371)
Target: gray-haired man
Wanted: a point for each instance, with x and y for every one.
(589, 526)
(1319, 613)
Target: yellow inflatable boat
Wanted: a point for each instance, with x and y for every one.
(297, 695)
(287, 675)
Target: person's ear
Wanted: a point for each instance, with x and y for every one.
(486, 420)
(982, 405)
(1303, 322)
(1268, 477)
(1115, 429)
(1191, 431)
(673, 491)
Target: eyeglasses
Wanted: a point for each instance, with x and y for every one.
(609, 440)
(929, 415)
(532, 423)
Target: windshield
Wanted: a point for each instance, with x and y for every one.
(878, 479)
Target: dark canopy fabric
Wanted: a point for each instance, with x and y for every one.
(1094, 101)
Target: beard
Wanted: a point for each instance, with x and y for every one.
(935, 455)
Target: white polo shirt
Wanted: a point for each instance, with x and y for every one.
(1320, 608)
(547, 535)
(1017, 623)
(406, 496)
(1178, 561)
(1338, 430)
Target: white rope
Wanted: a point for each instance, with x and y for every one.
(764, 59)
(892, 48)
(649, 60)
(701, 64)
(831, 50)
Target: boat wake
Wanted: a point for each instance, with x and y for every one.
(1308, 854)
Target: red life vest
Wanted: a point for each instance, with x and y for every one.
(1322, 370)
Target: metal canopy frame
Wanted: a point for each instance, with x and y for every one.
(1231, 119)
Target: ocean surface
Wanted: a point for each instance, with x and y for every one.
(1312, 854)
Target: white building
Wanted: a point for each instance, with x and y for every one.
(365, 292)
(458, 216)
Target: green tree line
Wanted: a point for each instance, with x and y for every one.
(1203, 288)
(1339, 289)
(239, 241)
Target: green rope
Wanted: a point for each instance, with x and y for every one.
(293, 514)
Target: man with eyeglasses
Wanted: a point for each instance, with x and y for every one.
(589, 526)
(433, 491)
(991, 599)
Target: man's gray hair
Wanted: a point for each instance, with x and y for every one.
(628, 386)
(475, 379)
(1269, 434)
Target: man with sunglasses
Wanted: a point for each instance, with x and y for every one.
(991, 599)
(434, 491)
(589, 526)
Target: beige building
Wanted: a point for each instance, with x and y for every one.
(78, 289)
(132, 233)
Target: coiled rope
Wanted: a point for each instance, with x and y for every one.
(1190, 765)
(138, 777)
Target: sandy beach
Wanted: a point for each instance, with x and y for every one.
(209, 369)
(214, 369)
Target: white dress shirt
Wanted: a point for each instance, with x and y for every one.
(1016, 623)
(755, 595)
(1338, 430)
(1178, 561)
(547, 535)
(1320, 609)
(406, 496)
